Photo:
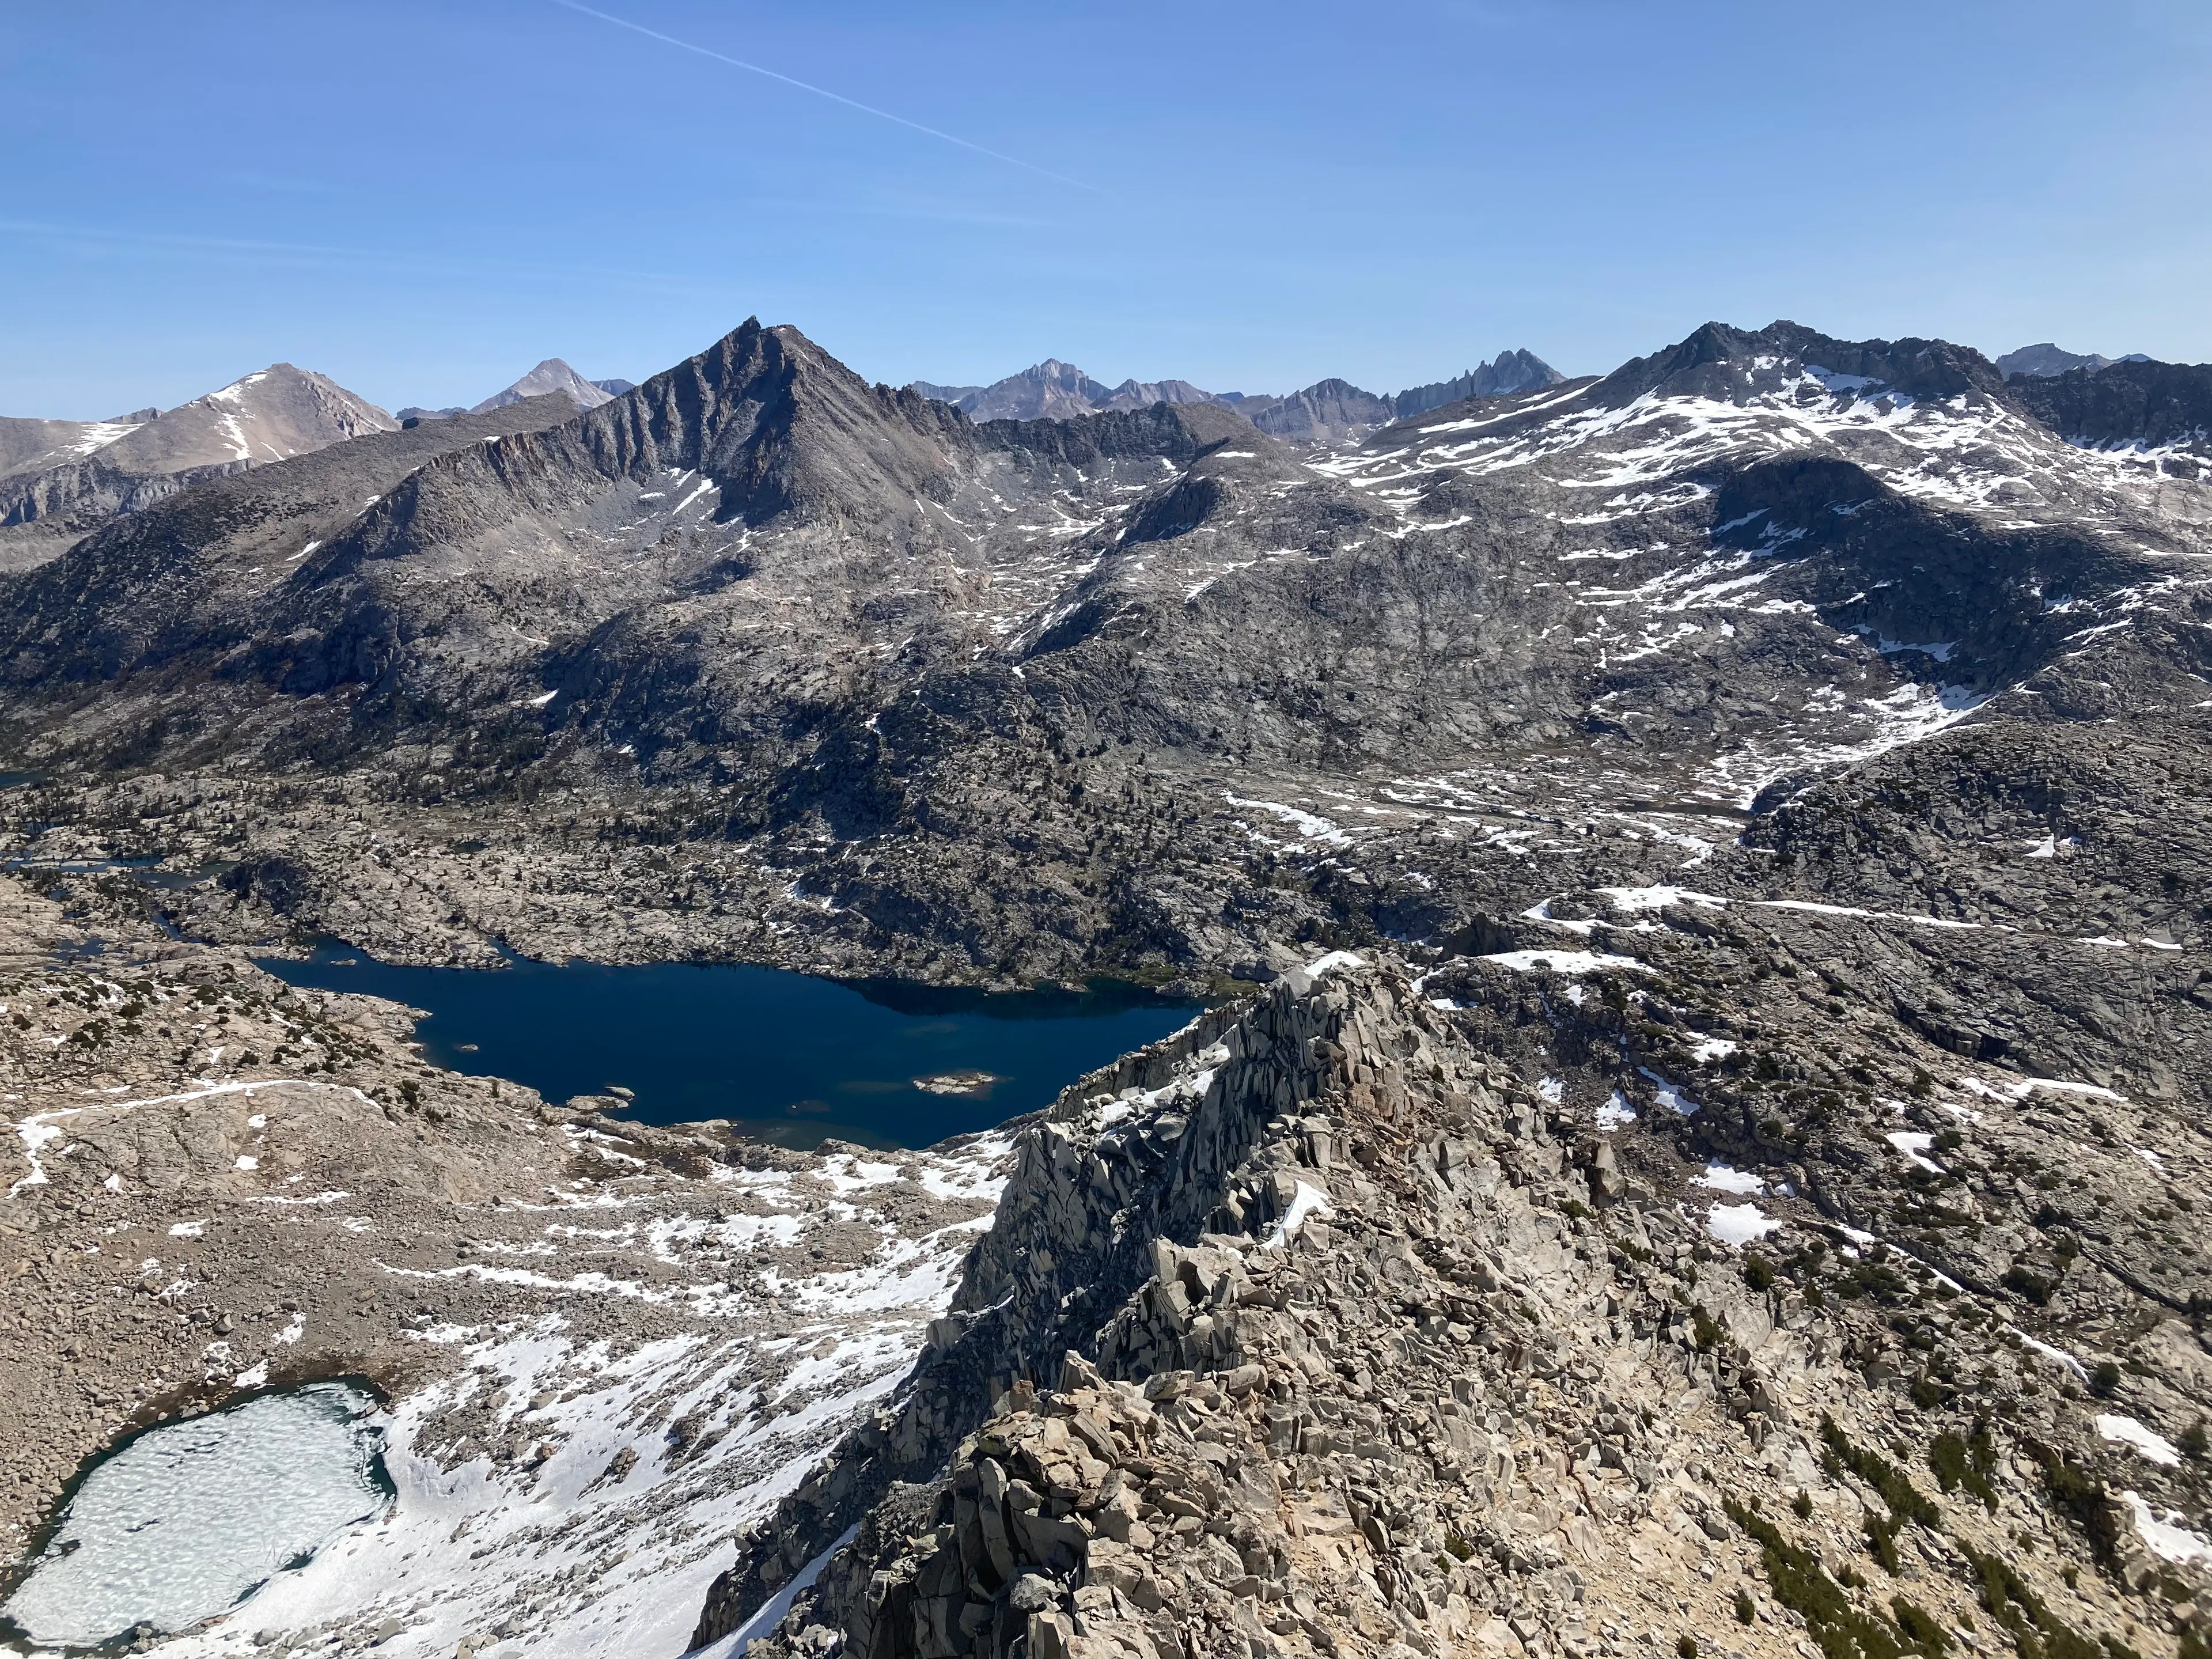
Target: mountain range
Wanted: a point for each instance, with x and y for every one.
(1328, 412)
(909, 681)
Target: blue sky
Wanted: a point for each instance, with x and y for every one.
(422, 197)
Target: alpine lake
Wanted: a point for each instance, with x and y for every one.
(786, 1057)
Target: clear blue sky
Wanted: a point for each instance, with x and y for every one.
(422, 197)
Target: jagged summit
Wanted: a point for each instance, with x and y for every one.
(1511, 372)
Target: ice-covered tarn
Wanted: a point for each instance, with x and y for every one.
(190, 1518)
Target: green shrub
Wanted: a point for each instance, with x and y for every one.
(1906, 1501)
(1920, 1628)
(2038, 1632)
(1841, 1629)
(1968, 1463)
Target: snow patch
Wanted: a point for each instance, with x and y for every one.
(1739, 1224)
(1721, 1178)
(1566, 962)
(2126, 1431)
(1914, 1147)
(2166, 1538)
(1310, 1202)
(1336, 961)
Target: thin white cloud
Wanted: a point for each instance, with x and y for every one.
(822, 92)
(186, 245)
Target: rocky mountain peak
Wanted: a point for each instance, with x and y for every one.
(1051, 390)
(782, 426)
(272, 413)
(551, 375)
(1719, 360)
(1511, 372)
(2040, 362)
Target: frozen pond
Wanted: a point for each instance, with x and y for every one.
(791, 1058)
(189, 1518)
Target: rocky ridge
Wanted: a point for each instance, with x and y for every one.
(1455, 1361)
(1328, 413)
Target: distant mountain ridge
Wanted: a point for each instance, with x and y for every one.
(88, 472)
(1328, 412)
(2045, 359)
(1510, 372)
(553, 374)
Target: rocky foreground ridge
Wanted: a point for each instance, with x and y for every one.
(1684, 1267)
(1416, 1315)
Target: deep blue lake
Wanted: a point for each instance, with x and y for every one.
(793, 1059)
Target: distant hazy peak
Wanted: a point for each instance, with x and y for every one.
(554, 374)
(2045, 359)
(1143, 394)
(943, 394)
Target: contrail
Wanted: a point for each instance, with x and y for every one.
(822, 92)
